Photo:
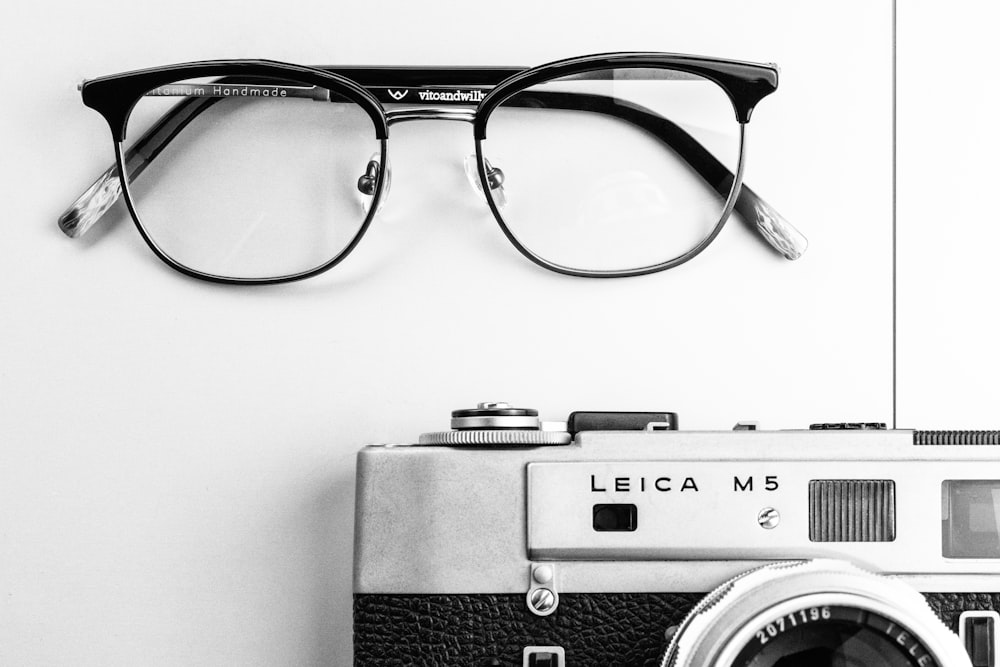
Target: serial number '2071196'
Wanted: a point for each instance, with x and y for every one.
(778, 625)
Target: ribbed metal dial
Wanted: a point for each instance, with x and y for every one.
(956, 437)
(497, 438)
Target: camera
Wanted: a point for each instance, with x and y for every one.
(614, 538)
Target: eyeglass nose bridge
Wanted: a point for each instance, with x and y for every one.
(494, 175)
(367, 181)
(429, 113)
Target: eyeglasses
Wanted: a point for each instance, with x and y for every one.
(263, 172)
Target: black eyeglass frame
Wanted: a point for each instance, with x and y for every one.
(744, 83)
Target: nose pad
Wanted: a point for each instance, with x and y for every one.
(494, 177)
(366, 184)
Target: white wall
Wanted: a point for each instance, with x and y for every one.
(948, 238)
(176, 458)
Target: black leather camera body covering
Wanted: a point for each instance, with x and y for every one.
(596, 629)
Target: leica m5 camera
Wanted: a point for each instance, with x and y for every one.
(617, 539)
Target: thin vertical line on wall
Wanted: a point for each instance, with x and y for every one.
(894, 308)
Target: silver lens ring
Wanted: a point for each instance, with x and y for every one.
(766, 615)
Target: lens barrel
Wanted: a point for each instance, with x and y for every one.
(820, 613)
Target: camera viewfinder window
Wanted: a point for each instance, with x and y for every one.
(970, 521)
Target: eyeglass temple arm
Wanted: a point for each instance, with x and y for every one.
(95, 201)
(757, 213)
(778, 232)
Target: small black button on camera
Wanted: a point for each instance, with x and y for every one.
(617, 517)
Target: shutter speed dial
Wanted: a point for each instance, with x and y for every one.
(495, 416)
(496, 424)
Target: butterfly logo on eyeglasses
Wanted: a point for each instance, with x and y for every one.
(397, 94)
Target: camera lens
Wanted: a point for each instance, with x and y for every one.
(820, 613)
(838, 637)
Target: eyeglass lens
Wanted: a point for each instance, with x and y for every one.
(590, 183)
(261, 182)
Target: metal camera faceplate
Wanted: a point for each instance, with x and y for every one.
(437, 519)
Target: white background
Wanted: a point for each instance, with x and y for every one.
(176, 458)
